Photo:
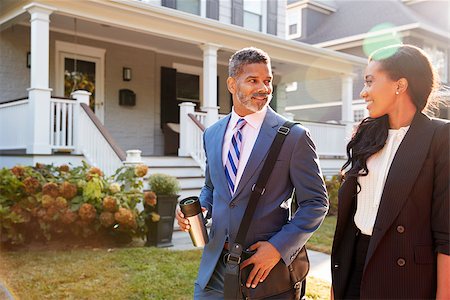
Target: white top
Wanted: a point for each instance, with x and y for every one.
(372, 185)
(249, 134)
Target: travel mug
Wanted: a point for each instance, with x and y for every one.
(192, 211)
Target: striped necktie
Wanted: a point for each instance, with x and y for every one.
(234, 154)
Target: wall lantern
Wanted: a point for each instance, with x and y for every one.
(126, 74)
(28, 59)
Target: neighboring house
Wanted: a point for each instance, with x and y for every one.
(156, 72)
(358, 28)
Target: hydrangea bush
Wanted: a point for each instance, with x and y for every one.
(47, 202)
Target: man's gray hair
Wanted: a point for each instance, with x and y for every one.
(245, 56)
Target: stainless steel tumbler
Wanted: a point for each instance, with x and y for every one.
(192, 211)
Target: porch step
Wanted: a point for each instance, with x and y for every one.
(169, 161)
(185, 169)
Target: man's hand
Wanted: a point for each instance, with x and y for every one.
(265, 258)
(182, 221)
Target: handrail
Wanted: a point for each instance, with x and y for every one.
(13, 100)
(197, 122)
(120, 153)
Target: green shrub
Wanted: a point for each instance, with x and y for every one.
(47, 202)
(333, 183)
(162, 184)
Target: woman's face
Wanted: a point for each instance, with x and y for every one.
(379, 91)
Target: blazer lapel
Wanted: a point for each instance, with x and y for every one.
(216, 158)
(402, 175)
(346, 206)
(260, 149)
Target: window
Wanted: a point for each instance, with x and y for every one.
(253, 11)
(188, 87)
(294, 23)
(189, 6)
(439, 59)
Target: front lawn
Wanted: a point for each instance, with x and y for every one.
(322, 239)
(126, 273)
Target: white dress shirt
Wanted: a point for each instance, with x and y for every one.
(249, 134)
(372, 185)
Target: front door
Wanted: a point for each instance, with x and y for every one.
(81, 67)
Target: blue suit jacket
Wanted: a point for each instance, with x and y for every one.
(297, 167)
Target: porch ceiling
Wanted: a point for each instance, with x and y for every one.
(170, 31)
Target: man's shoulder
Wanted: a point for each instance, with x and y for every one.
(297, 129)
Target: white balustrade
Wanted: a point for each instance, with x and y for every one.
(61, 124)
(14, 125)
(197, 151)
(95, 147)
(328, 138)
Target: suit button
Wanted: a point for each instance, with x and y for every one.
(401, 262)
(400, 229)
(336, 266)
(232, 205)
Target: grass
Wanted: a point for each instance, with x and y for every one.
(322, 239)
(122, 273)
(128, 273)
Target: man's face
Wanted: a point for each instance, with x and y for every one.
(251, 88)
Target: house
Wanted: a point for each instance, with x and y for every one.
(90, 79)
(360, 27)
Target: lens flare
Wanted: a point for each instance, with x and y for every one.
(380, 36)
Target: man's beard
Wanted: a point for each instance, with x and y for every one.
(254, 107)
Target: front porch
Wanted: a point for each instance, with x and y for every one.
(156, 45)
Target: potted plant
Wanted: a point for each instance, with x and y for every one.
(160, 204)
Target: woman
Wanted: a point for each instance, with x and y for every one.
(392, 233)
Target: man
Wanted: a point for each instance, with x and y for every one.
(236, 148)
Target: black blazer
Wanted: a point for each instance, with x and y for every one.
(412, 223)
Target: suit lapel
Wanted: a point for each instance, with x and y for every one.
(402, 175)
(216, 157)
(260, 149)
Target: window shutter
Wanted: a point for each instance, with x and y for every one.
(169, 3)
(272, 12)
(212, 9)
(168, 101)
(237, 12)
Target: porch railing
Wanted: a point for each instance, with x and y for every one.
(62, 123)
(197, 152)
(13, 124)
(96, 143)
(329, 138)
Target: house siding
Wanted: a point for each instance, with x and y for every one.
(14, 74)
(225, 11)
(132, 127)
(311, 20)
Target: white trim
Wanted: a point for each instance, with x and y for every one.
(20, 102)
(357, 40)
(365, 35)
(320, 105)
(91, 54)
(128, 44)
(320, 7)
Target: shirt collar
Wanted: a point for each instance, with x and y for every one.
(255, 119)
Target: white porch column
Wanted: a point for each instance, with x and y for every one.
(39, 92)
(346, 109)
(210, 83)
(82, 97)
(186, 129)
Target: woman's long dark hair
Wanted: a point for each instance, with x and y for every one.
(398, 61)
